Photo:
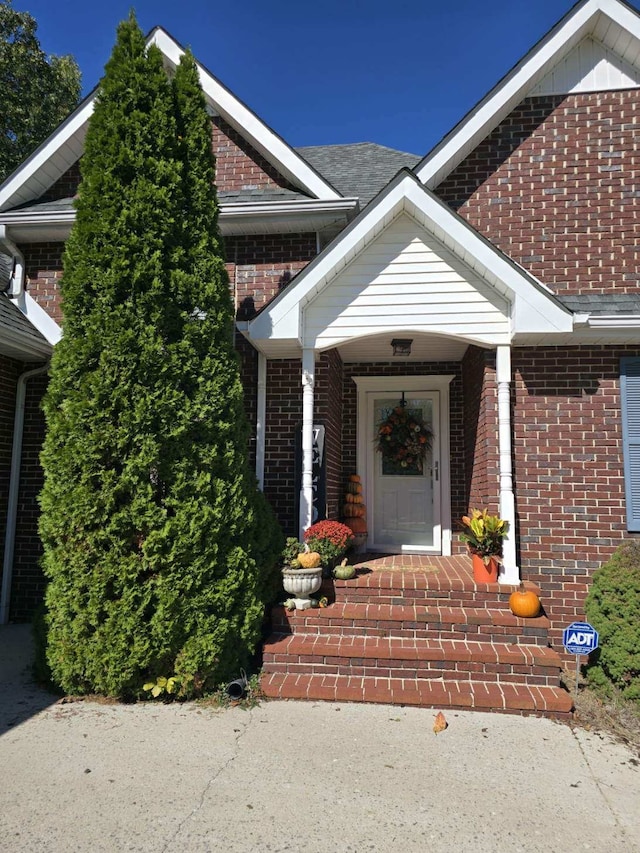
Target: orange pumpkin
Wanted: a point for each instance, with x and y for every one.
(353, 478)
(357, 525)
(524, 602)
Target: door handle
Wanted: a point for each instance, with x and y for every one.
(436, 469)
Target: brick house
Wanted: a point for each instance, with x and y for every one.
(504, 261)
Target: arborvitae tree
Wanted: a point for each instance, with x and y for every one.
(36, 91)
(159, 549)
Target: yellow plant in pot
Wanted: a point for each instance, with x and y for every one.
(484, 535)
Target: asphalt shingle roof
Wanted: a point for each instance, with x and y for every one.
(361, 169)
(603, 303)
(12, 318)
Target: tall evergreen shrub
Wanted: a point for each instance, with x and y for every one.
(613, 607)
(159, 549)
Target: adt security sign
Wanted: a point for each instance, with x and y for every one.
(580, 638)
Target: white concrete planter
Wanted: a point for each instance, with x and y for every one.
(301, 584)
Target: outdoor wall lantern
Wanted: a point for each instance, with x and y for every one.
(402, 346)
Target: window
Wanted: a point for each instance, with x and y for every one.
(630, 395)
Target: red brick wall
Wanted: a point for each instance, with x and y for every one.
(480, 429)
(43, 263)
(284, 414)
(9, 372)
(568, 470)
(260, 266)
(28, 580)
(238, 165)
(284, 417)
(554, 186)
(328, 405)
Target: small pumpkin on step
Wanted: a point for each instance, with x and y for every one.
(344, 572)
(524, 602)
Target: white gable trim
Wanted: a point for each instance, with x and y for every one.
(534, 309)
(39, 318)
(272, 147)
(50, 160)
(66, 144)
(610, 21)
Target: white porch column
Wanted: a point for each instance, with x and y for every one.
(509, 572)
(306, 492)
(261, 417)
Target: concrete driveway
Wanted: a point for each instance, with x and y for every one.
(293, 776)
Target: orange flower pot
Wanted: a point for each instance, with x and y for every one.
(483, 573)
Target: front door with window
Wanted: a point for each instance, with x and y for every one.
(403, 499)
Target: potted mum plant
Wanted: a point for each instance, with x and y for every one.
(484, 535)
(302, 573)
(331, 540)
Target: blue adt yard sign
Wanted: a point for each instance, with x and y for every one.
(580, 638)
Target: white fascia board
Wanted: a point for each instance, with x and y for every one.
(239, 116)
(235, 218)
(76, 121)
(43, 218)
(513, 88)
(300, 207)
(39, 318)
(614, 321)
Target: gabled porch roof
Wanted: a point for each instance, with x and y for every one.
(471, 270)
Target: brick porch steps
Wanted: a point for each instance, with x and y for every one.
(416, 588)
(426, 635)
(415, 621)
(395, 657)
(454, 695)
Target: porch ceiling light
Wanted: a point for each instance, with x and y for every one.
(402, 346)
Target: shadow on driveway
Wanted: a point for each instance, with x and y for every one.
(20, 697)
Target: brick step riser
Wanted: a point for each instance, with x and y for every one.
(421, 598)
(452, 671)
(373, 691)
(446, 631)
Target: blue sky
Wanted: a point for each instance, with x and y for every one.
(398, 72)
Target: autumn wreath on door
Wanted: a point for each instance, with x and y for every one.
(404, 440)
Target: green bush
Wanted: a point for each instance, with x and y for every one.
(160, 551)
(613, 608)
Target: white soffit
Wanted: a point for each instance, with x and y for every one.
(610, 23)
(423, 348)
(66, 144)
(534, 308)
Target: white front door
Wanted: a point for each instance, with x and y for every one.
(403, 500)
